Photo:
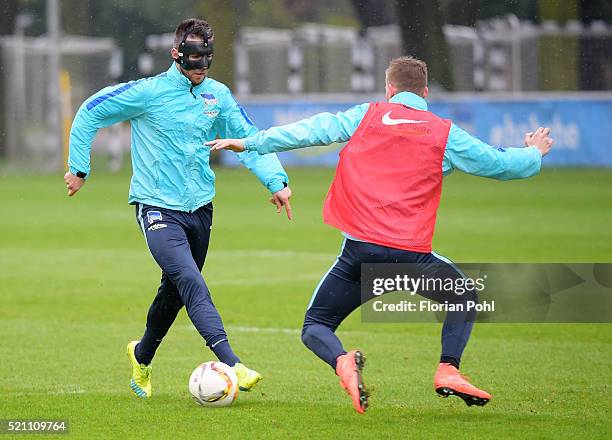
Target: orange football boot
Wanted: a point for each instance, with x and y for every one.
(448, 382)
(349, 367)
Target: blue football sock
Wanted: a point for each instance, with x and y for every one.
(323, 342)
(146, 348)
(223, 350)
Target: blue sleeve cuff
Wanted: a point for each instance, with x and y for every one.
(537, 158)
(536, 153)
(249, 144)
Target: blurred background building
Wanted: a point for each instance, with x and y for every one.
(55, 53)
(497, 55)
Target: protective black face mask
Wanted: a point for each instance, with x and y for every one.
(203, 48)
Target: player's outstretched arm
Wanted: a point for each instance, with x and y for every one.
(320, 129)
(473, 156)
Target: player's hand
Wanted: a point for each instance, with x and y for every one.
(540, 139)
(236, 145)
(280, 199)
(73, 183)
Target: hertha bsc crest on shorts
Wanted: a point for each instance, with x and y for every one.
(154, 216)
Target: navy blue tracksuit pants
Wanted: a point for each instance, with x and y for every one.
(178, 241)
(339, 293)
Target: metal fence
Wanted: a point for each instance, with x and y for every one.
(502, 54)
(506, 54)
(265, 63)
(498, 55)
(26, 125)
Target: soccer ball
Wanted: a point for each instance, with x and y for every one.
(213, 384)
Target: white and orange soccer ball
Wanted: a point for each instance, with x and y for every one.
(214, 384)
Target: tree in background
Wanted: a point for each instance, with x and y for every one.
(8, 13)
(594, 62)
(224, 20)
(558, 54)
(485, 9)
(421, 24)
(463, 12)
(130, 22)
(373, 12)
(77, 16)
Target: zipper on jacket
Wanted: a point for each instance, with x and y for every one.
(191, 91)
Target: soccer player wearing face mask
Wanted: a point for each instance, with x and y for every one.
(172, 115)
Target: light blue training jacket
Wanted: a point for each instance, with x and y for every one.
(463, 152)
(171, 120)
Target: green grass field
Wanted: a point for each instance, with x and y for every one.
(76, 280)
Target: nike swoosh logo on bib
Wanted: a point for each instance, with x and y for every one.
(386, 119)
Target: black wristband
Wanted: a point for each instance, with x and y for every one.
(81, 174)
(285, 185)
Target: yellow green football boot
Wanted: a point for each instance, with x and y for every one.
(247, 378)
(141, 374)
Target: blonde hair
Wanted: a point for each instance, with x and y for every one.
(407, 74)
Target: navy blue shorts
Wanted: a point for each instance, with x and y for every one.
(339, 292)
(178, 241)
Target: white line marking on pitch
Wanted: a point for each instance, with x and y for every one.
(260, 281)
(76, 390)
(277, 330)
(273, 253)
